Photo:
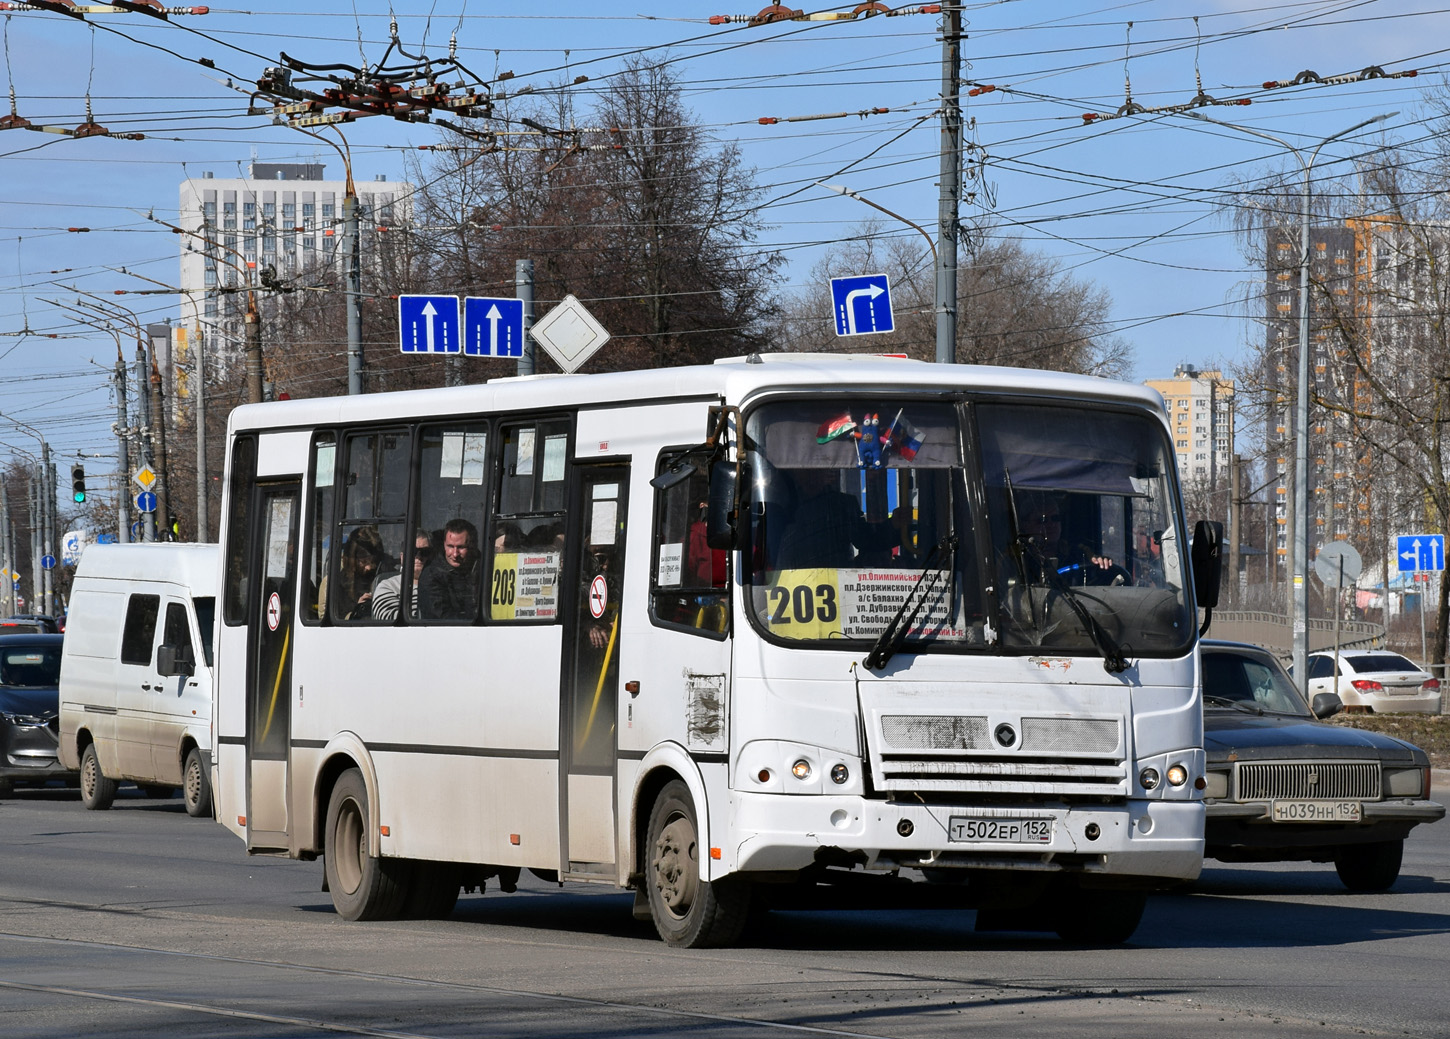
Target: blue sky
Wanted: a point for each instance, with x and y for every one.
(1126, 203)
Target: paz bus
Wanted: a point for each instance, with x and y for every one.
(759, 634)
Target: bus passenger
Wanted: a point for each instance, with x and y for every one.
(387, 593)
(448, 586)
(362, 556)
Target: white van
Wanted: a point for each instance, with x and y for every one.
(136, 671)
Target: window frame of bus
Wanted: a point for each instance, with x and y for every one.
(321, 503)
(345, 519)
(438, 427)
(544, 426)
(239, 529)
(668, 458)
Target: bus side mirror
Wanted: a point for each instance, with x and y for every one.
(721, 511)
(175, 660)
(1207, 561)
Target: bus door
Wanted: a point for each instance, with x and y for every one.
(269, 676)
(590, 693)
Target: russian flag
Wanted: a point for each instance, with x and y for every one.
(835, 428)
(905, 438)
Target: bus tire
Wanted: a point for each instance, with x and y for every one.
(1098, 917)
(196, 786)
(1370, 867)
(363, 886)
(689, 913)
(432, 891)
(97, 791)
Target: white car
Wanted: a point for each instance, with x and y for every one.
(1376, 680)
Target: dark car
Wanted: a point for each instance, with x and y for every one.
(1284, 786)
(29, 709)
(29, 624)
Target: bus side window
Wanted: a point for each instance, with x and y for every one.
(453, 484)
(367, 541)
(319, 541)
(688, 587)
(525, 549)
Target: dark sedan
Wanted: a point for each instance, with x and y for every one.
(29, 709)
(1284, 786)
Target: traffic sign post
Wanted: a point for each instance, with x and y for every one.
(493, 326)
(862, 305)
(428, 325)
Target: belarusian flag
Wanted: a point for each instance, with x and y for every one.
(831, 429)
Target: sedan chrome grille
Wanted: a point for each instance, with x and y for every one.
(1310, 781)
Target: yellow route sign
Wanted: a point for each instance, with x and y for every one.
(144, 477)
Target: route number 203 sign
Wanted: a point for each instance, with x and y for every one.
(827, 603)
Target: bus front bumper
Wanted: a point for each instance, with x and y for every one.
(1160, 840)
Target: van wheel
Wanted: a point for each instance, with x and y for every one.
(97, 792)
(196, 786)
(363, 887)
(689, 912)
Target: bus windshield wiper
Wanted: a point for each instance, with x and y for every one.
(1018, 544)
(892, 636)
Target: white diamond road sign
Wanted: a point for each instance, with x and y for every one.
(862, 305)
(428, 324)
(493, 327)
(1420, 552)
(569, 334)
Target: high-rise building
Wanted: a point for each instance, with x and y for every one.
(272, 227)
(1200, 407)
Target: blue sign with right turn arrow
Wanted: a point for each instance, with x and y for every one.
(862, 305)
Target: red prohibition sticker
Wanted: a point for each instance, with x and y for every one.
(598, 596)
(274, 611)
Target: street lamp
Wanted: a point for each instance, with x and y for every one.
(1299, 601)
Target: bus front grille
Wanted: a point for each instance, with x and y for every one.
(999, 775)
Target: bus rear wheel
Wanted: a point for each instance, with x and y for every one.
(97, 790)
(363, 886)
(689, 912)
(432, 891)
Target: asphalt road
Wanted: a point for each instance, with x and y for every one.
(141, 921)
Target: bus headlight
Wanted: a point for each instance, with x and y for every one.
(1149, 778)
(801, 769)
(839, 773)
(1177, 775)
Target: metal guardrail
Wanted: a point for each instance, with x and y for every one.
(1272, 631)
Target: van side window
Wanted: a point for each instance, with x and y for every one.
(178, 631)
(205, 606)
(139, 634)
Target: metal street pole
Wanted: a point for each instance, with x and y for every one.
(1299, 602)
(948, 214)
(524, 292)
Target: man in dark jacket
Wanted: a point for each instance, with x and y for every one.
(448, 586)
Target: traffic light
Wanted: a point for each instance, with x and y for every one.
(78, 483)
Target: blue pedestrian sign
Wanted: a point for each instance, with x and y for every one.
(47, 562)
(493, 327)
(1420, 552)
(146, 501)
(862, 305)
(428, 324)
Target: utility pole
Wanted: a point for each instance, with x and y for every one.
(47, 503)
(199, 397)
(948, 222)
(7, 553)
(158, 437)
(352, 247)
(524, 290)
(123, 475)
(1235, 509)
(144, 432)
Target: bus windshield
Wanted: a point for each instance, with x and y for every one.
(862, 515)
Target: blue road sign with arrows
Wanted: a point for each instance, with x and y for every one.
(1420, 552)
(428, 324)
(493, 327)
(146, 501)
(862, 305)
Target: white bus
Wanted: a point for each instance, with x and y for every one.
(750, 634)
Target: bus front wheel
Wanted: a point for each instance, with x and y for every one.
(363, 886)
(689, 912)
(97, 789)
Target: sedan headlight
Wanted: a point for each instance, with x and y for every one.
(23, 719)
(1217, 786)
(1407, 782)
